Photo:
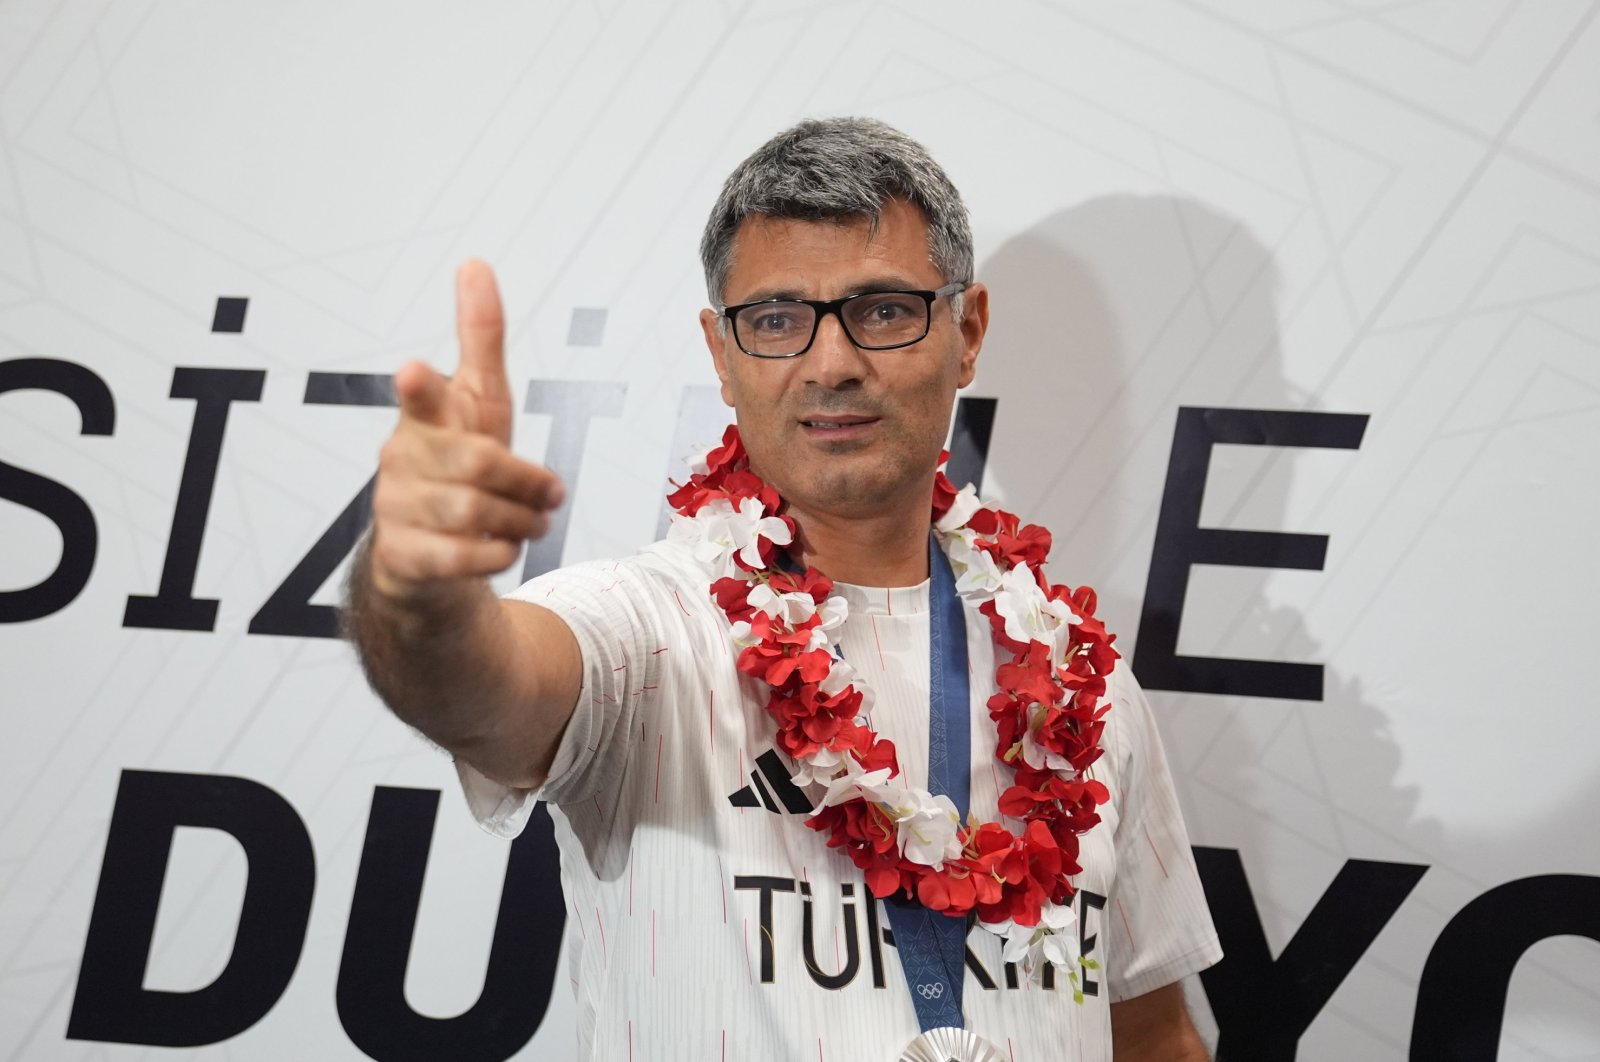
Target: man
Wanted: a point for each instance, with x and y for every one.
(707, 920)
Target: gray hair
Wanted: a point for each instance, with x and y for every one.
(836, 169)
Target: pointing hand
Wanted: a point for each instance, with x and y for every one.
(452, 502)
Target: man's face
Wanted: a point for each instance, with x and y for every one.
(840, 430)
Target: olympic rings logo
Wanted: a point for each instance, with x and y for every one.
(931, 990)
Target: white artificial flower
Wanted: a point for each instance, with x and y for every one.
(1053, 940)
(834, 611)
(961, 509)
(743, 635)
(791, 609)
(749, 525)
(977, 573)
(927, 826)
(841, 674)
(719, 531)
(687, 529)
(1060, 944)
(853, 783)
(707, 534)
(820, 766)
(818, 639)
(1030, 616)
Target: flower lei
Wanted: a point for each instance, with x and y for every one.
(1053, 658)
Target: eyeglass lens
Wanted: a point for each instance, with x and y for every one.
(872, 321)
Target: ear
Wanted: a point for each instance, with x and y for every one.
(718, 342)
(974, 323)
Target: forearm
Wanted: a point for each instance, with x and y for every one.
(1155, 1027)
(457, 667)
(1186, 1047)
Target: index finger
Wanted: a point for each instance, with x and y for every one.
(499, 471)
(481, 328)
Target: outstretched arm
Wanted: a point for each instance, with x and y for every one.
(492, 681)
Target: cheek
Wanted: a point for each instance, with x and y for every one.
(933, 399)
(758, 391)
(737, 390)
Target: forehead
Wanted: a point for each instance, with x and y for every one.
(824, 259)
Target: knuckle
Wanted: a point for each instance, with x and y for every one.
(447, 509)
(394, 502)
(474, 459)
(391, 557)
(390, 456)
(467, 511)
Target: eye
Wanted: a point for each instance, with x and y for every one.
(888, 312)
(774, 319)
(774, 322)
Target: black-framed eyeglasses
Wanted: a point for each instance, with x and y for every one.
(874, 320)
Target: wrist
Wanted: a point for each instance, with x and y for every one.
(408, 607)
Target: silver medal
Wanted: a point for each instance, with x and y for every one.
(949, 1044)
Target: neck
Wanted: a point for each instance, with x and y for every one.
(888, 548)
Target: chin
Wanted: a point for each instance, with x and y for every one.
(850, 488)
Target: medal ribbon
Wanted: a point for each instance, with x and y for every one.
(933, 946)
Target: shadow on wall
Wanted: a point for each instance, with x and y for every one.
(1106, 318)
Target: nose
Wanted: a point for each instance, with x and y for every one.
(833, 360)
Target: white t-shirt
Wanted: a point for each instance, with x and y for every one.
(707, 921)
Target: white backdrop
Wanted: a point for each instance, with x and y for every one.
(1375, 207)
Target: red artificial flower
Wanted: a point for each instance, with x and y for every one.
(877, 754)
(1029, 546)
(733, 597)
(1031, 676)
(944, 491)
(987, 521)
(883, 881)
(729, 455)
(811, 582)
(949, 888)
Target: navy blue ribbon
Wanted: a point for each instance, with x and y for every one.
(933, 946)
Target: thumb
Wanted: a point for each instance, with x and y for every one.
(480, 330)
(421, 393)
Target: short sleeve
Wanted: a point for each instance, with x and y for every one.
(612, 609)
(1161, 928)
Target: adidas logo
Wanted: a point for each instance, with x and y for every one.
(778, 783)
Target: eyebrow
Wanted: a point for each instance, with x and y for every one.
(865, 287)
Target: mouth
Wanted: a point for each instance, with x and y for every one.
(836, 422)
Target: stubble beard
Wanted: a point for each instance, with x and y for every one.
(846, 489)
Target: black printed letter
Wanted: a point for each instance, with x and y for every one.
(174, 606)
(383, 916)
(1181, 542)
(111, 1003)
(1461, 1000)
(768, 886)
(572, 404)
(1262, 1005)
(289, 610)
(852, 949)
(62, 506)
